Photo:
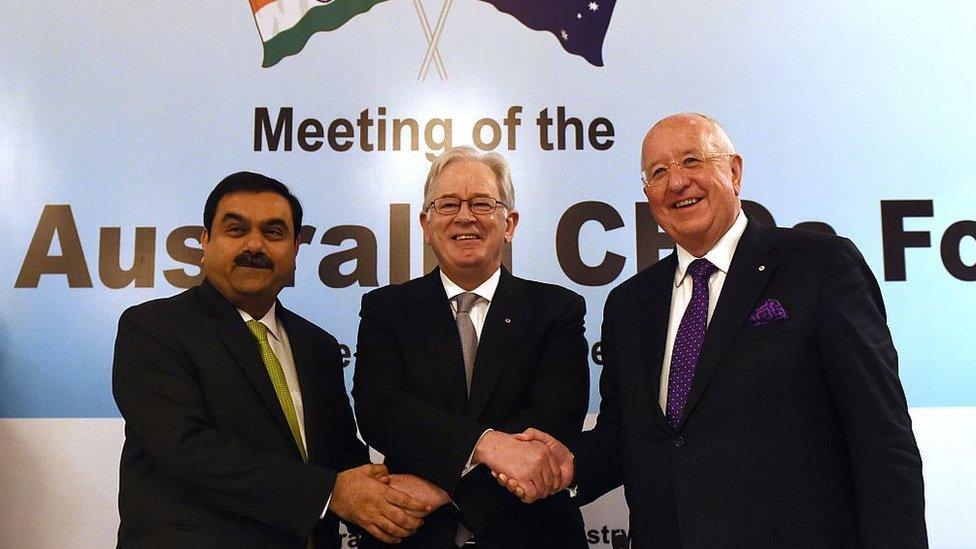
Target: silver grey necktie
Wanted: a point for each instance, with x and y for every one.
(469, 337)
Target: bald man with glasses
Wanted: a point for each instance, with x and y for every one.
(750, 391)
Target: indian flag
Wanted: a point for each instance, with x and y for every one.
(286, 25)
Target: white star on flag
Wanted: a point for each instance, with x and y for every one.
(594, 6)
(564, 34)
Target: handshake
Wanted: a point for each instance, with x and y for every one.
(532, 465)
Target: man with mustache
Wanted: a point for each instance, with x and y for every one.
(238, 429)
(450, 364)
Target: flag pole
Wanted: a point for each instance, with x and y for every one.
(425, 25)
(432, 46)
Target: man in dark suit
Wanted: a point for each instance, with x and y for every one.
(750, 395)
(237, 423)
(450, 363)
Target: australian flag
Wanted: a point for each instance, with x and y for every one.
(579, 25)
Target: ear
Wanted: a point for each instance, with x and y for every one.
(647, 193)
(424, 226)
(511, 221)
(204, 242)
(736, 173)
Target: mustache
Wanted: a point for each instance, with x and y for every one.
(255, 261)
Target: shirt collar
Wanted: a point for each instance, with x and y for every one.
(270, 320)
(720, 255)
(485, 291)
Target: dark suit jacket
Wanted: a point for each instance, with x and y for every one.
(208, 459)
(411, 402)
(797, 432)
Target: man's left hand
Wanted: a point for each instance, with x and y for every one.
(420, 489)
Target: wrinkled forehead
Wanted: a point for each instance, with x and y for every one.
(465, 178)
(675, 136)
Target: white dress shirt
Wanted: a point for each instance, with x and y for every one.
(485, 292)
(720, 256)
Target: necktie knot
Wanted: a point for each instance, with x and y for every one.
(465, 301)
(700, 269)
(259, 330)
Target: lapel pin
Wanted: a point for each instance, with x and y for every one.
(508, 321)
(762, 268)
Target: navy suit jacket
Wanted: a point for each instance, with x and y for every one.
(209, 460)
(411, 402)
(796, 432)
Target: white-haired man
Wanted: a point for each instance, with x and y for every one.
(451, 363)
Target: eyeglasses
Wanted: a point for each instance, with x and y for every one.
(479, 205)
(660, 172)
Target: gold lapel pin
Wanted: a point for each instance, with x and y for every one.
(762, 268)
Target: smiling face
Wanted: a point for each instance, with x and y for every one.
(468, 246)
(694, 206)
(249, 256)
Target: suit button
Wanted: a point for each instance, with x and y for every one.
(679, 441)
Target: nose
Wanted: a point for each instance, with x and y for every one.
(464, 215)
(254, 241)
(677, 180)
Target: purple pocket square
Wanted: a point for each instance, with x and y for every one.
(771, 310)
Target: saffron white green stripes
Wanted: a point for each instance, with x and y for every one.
(286, 25)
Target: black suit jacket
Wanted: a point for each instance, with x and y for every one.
(411, 402)
(208, 458)
(797, 432)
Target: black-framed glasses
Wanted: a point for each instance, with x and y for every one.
(660, 172)
(479, 205)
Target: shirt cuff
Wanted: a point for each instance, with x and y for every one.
(468, 467)
(326, 509)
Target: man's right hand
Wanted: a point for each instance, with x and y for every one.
(561, 457)
(362, 495)
(530, 462)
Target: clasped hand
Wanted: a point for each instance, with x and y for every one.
(390, 507)
(532, 465)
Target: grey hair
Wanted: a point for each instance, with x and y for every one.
(495, 162)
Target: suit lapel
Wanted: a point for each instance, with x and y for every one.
(302, 351)
(752, 266)
(438, 330)
(242, 346)
(508, 316)
(654, 312)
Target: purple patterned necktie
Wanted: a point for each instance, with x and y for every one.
(688, 341)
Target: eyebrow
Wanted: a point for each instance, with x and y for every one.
(236, 217)
(683, 153)
(274, 222)
(231, 216)
(456, 195)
